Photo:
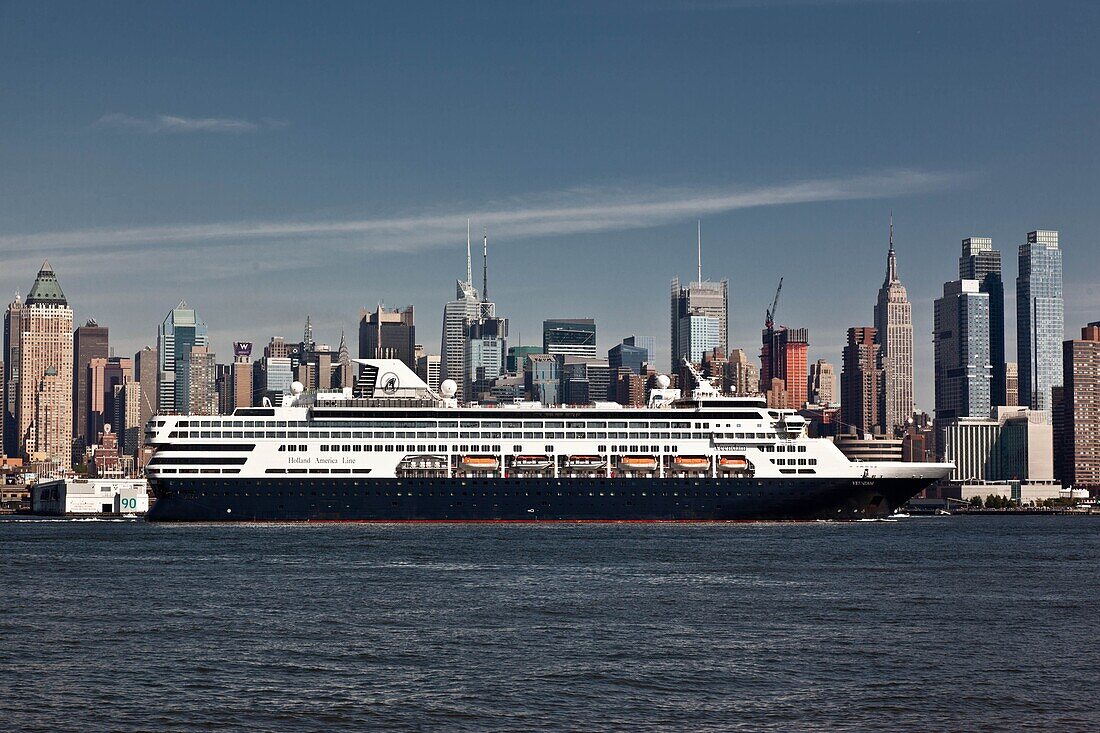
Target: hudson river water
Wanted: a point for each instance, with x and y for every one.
(955, 624)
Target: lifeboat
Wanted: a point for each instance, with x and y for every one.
(637, 463)
(479, 463)
(585, 462)
(691, 463)
(532, 463)
(729, 462)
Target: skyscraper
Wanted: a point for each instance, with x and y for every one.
(894, 331)
(1040, 320)
(822, 383)
(240, 376)
(458, 314)
(1079, 439)
(628, 354)
(180, 331)
(742, 376)
(979, 261)
(698, 336)
(145, 373)
(486, 349)
(699, 298)
(104, 374)
(569, 337)
(961, 338)
(12, 331)
(89, 342)
(783, 356)
(427, 368)
(196, 381)
(45, 403)
(862, 379)
(388, 335)
(1012, 384)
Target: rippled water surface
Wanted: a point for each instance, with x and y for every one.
(981, 623)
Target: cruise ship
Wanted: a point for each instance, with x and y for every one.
(395, 450)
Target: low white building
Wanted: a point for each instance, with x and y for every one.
(90, 496)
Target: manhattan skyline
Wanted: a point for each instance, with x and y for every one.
(280, 157)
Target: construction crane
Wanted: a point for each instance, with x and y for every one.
(769, 319)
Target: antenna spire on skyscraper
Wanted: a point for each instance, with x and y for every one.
(699, 249)
(485, 267)
(469, 261)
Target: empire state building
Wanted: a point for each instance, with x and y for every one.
(894, 333)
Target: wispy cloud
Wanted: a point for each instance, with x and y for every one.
(173, 124)
(578, 210)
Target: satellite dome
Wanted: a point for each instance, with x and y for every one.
(448, 387)
(297, 388)
(663, 381)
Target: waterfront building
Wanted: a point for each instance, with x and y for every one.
(1015, 444)
(1012, 384)
(542, 378)
(90, 341)
(894, 331)
(387, 335)
(862, 382)
(783, 356)
(427, 368)
(66, 496)
(516, 357)
(979, 261)
(821, 388)
(1079, 438)
(742, 376)
(181, 330)
(628, 354)
(699, 298)
(12, 332)
(1040, 319)
(569, 337)
(961, 338)
(45, 402)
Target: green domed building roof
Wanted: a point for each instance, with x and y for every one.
(46, 289)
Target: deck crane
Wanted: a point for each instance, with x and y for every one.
(769, 319)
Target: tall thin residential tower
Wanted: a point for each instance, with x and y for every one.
(894, 334)
(1040, 319)
(979, 261)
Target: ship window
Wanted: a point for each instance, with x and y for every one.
(282, 448)
(324, 449)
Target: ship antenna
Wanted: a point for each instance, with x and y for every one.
(699, 248)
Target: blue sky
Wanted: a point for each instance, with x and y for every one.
(267, 160)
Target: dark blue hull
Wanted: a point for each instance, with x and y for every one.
(512, 499)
